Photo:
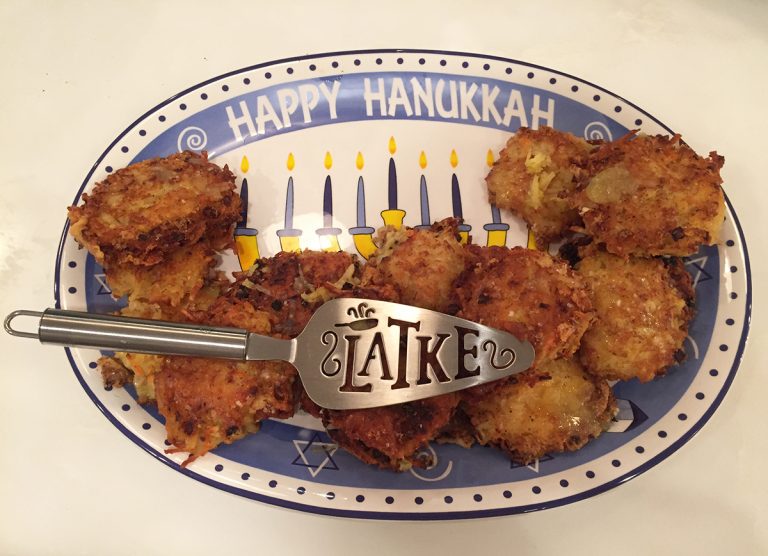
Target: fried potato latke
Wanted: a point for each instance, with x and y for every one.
(290, 286)
(181, 275)
(208, 402)
(528, 294)
(555, 408)
(143, 212)
(643, 308)
(421, 264)
(652, 195)
(391, 437)
(142, 367)
(534, 177)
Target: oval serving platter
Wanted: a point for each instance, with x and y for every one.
(326, 149)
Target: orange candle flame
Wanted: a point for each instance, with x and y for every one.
(291, 162)
(423, 160)
(454, 159)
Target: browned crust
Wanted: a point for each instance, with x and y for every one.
(275, 285)
(423, 266)
(528, 294)
(652, 195)
(209, 402)
(534, 177)
(643, 308)
(143, 212)
(557, 407)
(179, 277)
(391, 437)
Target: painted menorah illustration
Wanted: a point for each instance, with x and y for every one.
(290, 237)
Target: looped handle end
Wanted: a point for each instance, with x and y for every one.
(20, 333)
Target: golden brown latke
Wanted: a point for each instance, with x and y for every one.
(555, 408)
(528, 294)
(421, 264)
(180, 276)
(141, 368)
(291, 286)
(652, 196)
(643, 307)
(391, 437)
(208, 402)
(534, 177)
(276, 285)
(142, 213)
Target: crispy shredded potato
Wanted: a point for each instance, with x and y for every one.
(555, 408)
(208, 402)
(528, 294)
(286, 286)
(643, 309)
(421, 264)
(652, 196)
(181, 275)
(141, 213)
(391, 437)
(143, 366)
(534, 177)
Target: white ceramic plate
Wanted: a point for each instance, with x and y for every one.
(330, 147)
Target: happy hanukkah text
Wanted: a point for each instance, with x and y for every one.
(418, 97)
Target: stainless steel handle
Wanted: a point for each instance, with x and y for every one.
(73, 328)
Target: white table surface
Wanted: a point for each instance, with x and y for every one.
(73, 75)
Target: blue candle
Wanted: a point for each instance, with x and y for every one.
(329, 240)
(496, 225)
(243, 222)
(456, 197)
(362, 234)
(456, 200)
(424, 198)
(392, 189)
(288, 219)
(495, 214)
(289, 236)
(327, 203)
(360, 203)
(288, 229)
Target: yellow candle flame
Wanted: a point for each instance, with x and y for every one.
(244, 164)
(423, 160)
(489, 158)
(291, 162)
(328, 162)
(359, 160)
(392, 146)
(454, 158)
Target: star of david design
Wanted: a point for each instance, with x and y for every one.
(103, 287)
(629, 417)
(315, 455)
(532, 466)
(699, 263)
